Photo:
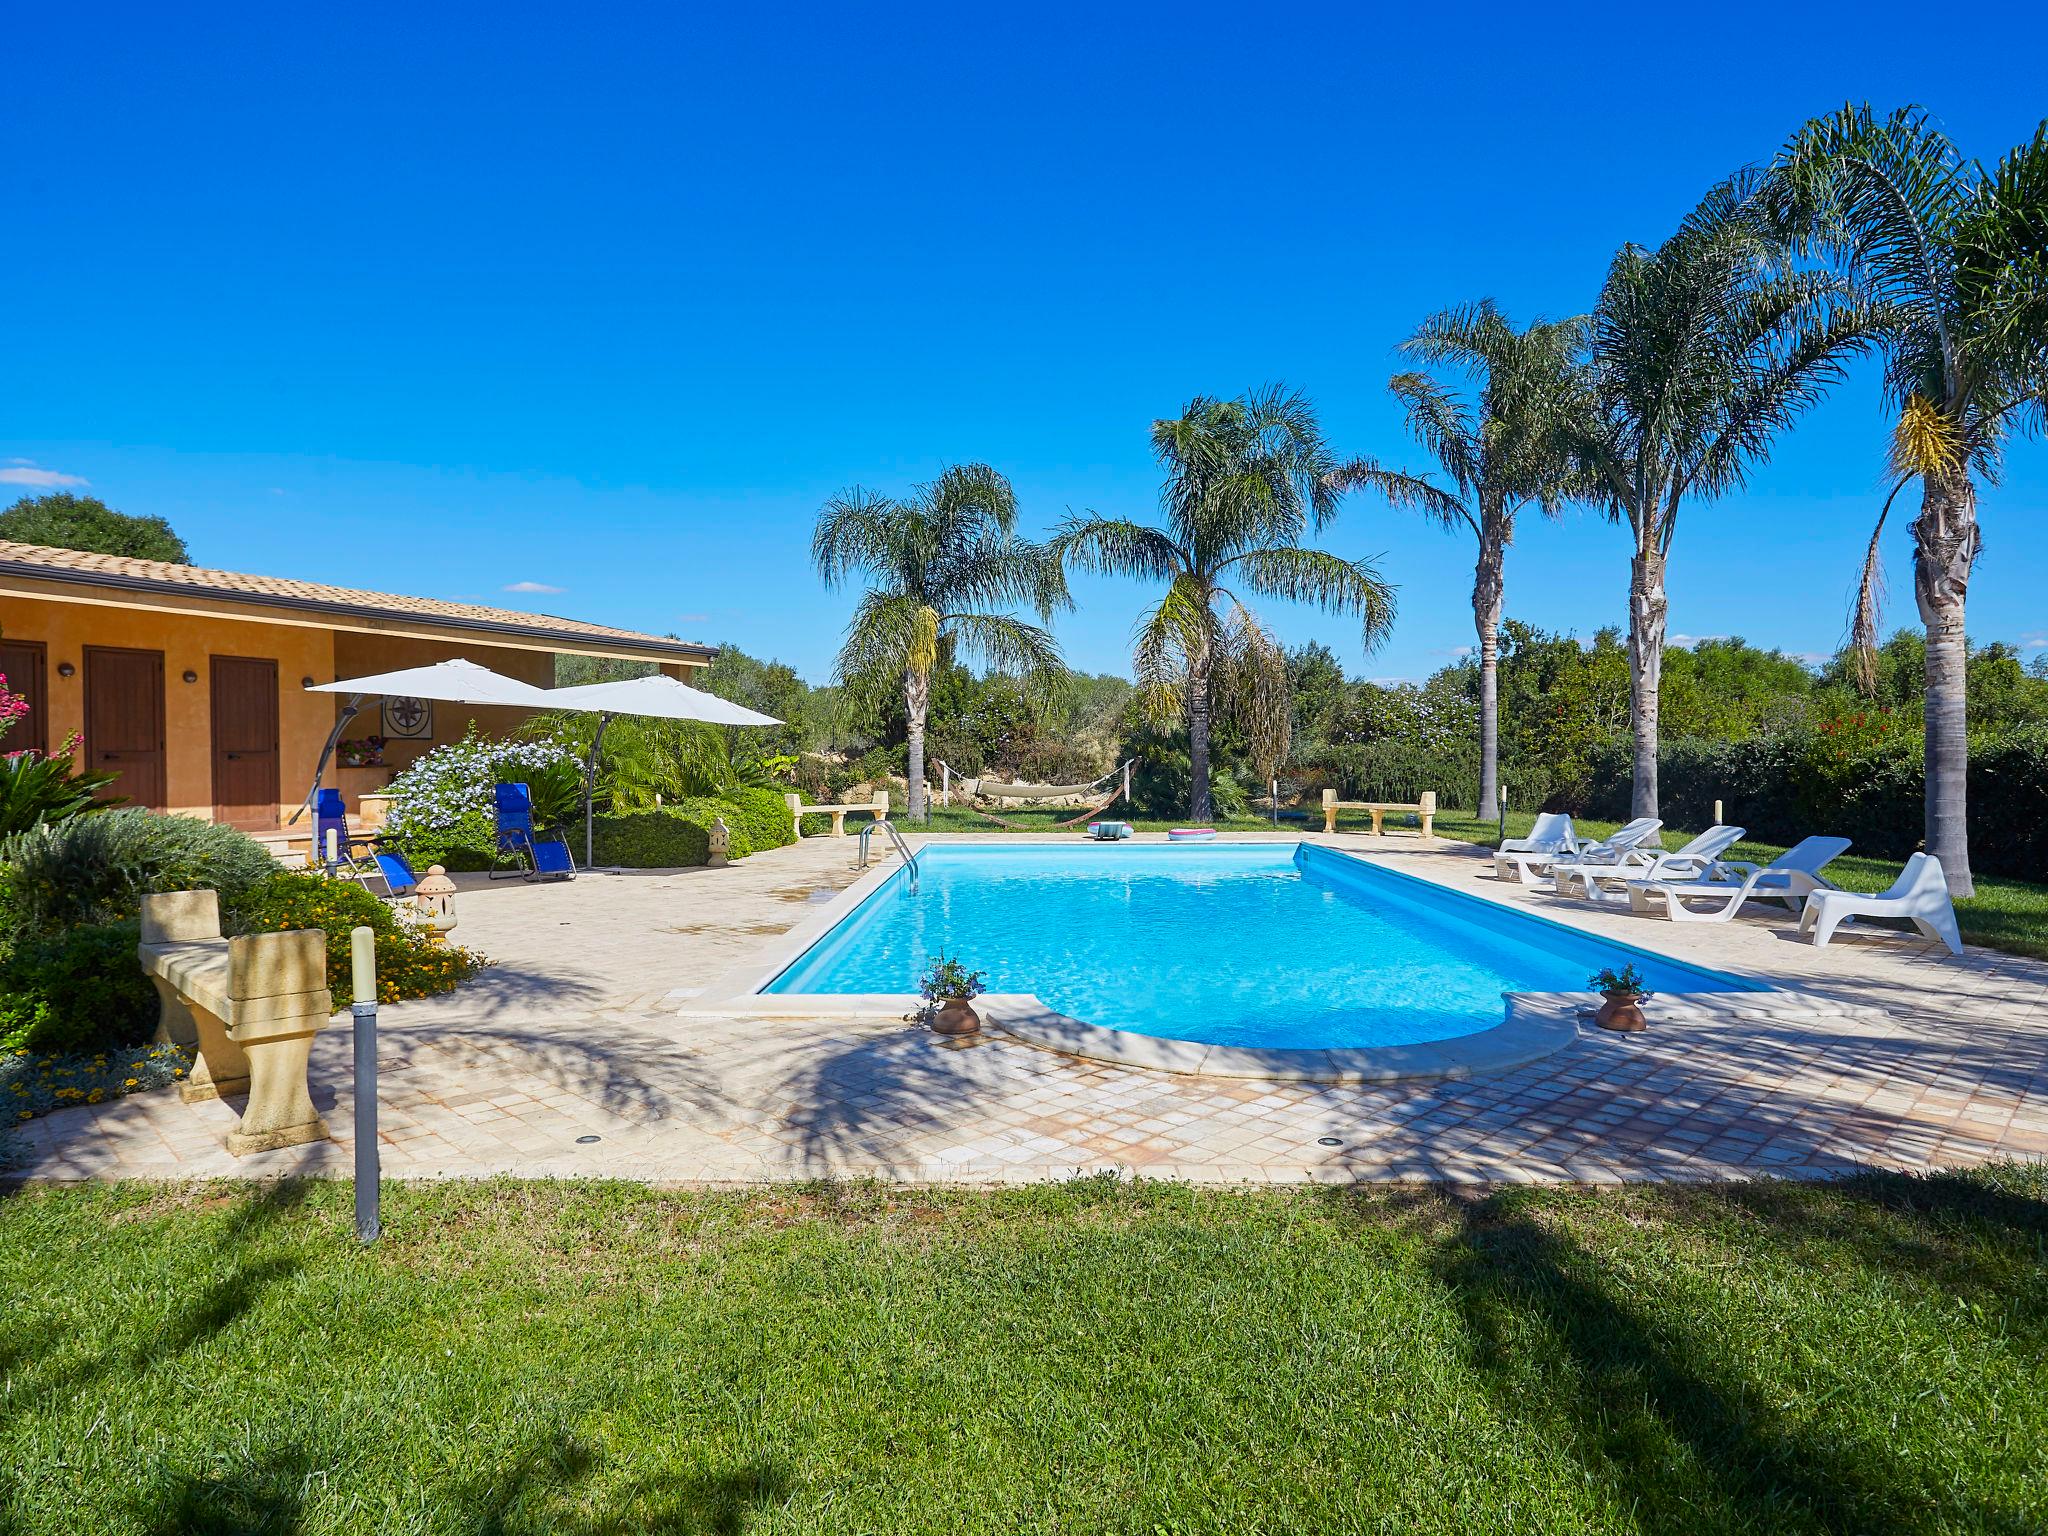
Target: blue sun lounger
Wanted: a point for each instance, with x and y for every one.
(531, 856)
(355, 857)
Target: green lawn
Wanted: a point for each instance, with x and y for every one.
(2006, 914)
(1869, 1356)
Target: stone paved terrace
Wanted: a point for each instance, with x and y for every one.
(1899, 1056)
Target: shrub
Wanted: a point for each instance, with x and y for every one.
(78, 990)
(409, 964)
(33, 1083)
(662, 838)
(764, 816)
(445, 813)
(97, 869)
(35, 789)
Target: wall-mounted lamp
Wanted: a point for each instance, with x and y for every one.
(191, 676)
(65, 669)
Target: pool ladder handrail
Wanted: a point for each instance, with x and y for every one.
(902, 848)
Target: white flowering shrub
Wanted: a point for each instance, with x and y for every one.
(445, 812)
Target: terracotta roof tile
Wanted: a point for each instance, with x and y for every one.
(282, 591)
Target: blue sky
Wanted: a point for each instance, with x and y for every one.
(494, 298)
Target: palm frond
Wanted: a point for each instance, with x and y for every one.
(1324, 580)
(1180, 627)
(1400, 489)
(1116, 546)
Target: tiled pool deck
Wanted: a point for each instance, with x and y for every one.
(1889, 1053)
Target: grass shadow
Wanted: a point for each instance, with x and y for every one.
(1666, 1422)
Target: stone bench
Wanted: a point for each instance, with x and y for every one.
(1378, 809)
(250, 1005)
(877, 808)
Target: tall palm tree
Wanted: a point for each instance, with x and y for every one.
(1957, 258)
(1245, 478)
(1698, 354)
(942, 565)
(1511, 452)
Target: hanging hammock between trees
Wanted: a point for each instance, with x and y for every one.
(996, 789)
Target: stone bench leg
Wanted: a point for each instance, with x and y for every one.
(1329, 818)
(1378, 817)
(218, 1066)
(1428, 825)
(280, 1110)
(839, 823)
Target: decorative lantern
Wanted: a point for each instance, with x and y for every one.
(721, 843)
(434, 900)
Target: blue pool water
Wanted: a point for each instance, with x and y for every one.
(1274, 944)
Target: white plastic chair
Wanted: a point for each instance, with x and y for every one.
(1919, 895)
(1698, 860)
(1530, 867)
(1790, 878)
(1551, 836)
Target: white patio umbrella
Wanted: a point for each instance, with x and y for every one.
(659, 696)
(450, 682)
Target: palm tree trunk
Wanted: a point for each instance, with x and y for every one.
(1648, 609)
(1198, 735)
(917, 698)
(1486, 603)
(1945, 540)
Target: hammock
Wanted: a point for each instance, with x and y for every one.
(997, 790)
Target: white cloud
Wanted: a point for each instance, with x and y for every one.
(2037, 641)
(1813, 658)
(25, 472)
(1692, 640)
(693, 618)
(531, 586)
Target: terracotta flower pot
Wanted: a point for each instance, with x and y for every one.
(1622, 1011)
(955, 1016)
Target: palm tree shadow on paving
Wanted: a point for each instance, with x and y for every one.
(1660, 1420)
(860, 1099)
(548, 1492)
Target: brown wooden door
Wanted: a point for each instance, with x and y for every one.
(22, 664)
(245, 782)
(124, 721)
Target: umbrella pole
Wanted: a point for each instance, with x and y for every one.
(349, 711)
(590, 787)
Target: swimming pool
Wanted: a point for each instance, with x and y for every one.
(1270, 945)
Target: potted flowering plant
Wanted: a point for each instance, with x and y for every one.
(951, 989)
(1624, 992)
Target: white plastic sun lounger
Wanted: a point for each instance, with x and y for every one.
(1790, 878)
(1919, 895)
(1530, 867)
(1551, 836)
(1698, 860)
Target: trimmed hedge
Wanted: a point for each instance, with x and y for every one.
(670, 836)
(1791, 784)
(80, 990)
(662, 838)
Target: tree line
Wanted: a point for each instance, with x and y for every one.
(1865, 234)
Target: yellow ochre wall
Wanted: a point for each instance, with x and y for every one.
(301, 650)
(187, 642)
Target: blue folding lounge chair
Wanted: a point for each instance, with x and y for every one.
(532, 856)
(355, 857)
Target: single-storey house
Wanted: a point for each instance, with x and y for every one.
(191, 683)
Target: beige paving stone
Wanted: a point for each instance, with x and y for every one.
(1876, 1051)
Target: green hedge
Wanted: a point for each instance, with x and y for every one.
(1791, 784)
(654, 839)
(79, 990)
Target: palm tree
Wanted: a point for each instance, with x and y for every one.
(1512, 452)
(1245, 478)
(1698, 354)
(1957, 258)
(942, 565)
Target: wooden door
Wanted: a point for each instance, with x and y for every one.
(124, 721)
(22, 664)
(245, 784)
